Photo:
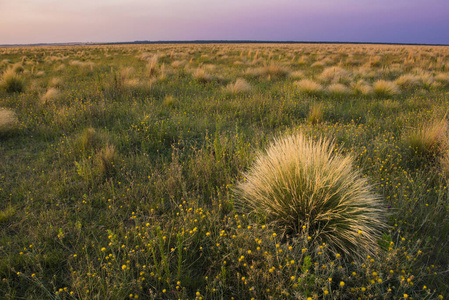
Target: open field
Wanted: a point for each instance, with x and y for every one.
(123, 171)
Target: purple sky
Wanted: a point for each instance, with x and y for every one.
(392, 21)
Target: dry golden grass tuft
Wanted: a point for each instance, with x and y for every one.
(39, 73)
(304, 186)
(384, 88)
(8, 121)
(335, 74)
(431, 140)
(271, 70)
(11, 82)
(152, 66)
(443, 78)
(309, 87)
(427, 80)
(126, 72)
(238, 87)
(60, 67)
(296, 75)
(338, 90)
(361, 87)
(4, 62)
(55, 82)
(178, 64)
(408, 81)
(106, 158)
(82, 64)
(52, 94)
(316, 114)
(201, 75)
(275, 70)
(18, 68)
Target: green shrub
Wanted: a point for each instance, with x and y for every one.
(306, 188)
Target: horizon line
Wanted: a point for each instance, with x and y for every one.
(137, 42)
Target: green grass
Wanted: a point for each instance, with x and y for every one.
(122, 184)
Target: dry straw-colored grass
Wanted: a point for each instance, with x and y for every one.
(335, 74)
(11, 82)
(272, 70)
(240, 86)
(361, 87)
(430, 140)
(52, 94)
(443, 78)
(309, 87)
(384, 88)
(82, 64)
(152, 66)
(8, 120)
(56, 82)
(338, 90)
(106, 159)
(296, 75)
(316, 113)
(408, 81)
(307, 188)
(201, 75)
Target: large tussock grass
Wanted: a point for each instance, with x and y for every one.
(303, 185)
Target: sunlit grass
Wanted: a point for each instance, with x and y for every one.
(119, 164)
(12, 82)
(305, 186)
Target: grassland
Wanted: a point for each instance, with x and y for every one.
(118, 168)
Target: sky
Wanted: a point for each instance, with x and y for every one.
(377, 21)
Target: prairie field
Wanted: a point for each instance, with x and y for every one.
(224, 171)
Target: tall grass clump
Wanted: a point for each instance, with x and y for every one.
(309, 87)
(361, 87)
(316, 114)
(106, 159)
(272, 70)
(8, 121)
(430, 140)
(383, 88)
(51, 95)
(275, 70)
(202, 76)
(240, 86)
(11, 82)
(338, 90)
(307, 188)
(408, 81)
(335, 74)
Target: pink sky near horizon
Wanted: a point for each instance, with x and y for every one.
(56, 21)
